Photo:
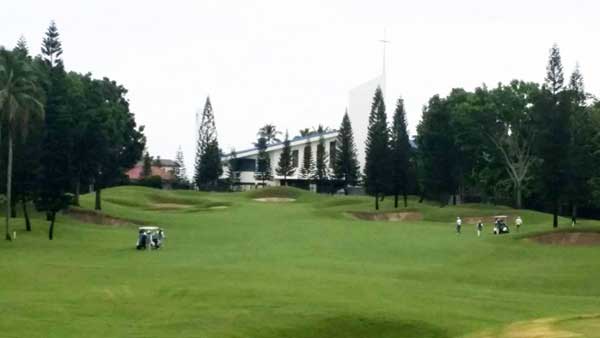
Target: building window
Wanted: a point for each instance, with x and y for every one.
(295, 158)
(331, 154)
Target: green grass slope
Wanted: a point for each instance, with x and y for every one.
(303, 269)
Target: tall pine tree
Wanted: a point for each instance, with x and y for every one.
(346, 167)
(181, 180)
(285, 166)
(308, 164)
(581, 147)
(377, 149)
(207, 143)
(56, 173)
(552, 109)
(400, 153)
(263, 161)
(321, 169)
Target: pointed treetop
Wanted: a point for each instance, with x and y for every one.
(576, 85)
(554, 72)
(51, 45)
(21, 47)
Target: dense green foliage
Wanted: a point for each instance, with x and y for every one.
(376, 176)
(263, 162)
(346, 168)
(208, 155)
(400, 154)
(321, 169)
(87, 134)
(521, 144)
(285, 166)
(303, 269)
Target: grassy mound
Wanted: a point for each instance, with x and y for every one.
(276, 192)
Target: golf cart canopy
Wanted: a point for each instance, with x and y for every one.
(147, 228)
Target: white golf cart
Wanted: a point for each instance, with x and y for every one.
(500, 226)
(150, 237)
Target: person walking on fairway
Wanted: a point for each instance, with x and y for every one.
(458, 224)
(479, 228)
(518, 223)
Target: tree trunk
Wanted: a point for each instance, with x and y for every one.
(9, 184)
(574, 214)
(405, 199)
(51, 229)
(396, 200)
(555, 214)
(13, 208)
(422, 196)
(77, 190)
(454, 199)
(98, 205)
(377, 201)
(519, 196)
(26, 215)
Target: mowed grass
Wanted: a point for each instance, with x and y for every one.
(303, 269)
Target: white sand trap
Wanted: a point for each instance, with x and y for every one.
(275, 199)
(218, 207)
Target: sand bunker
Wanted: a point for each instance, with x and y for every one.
(387, 216)
(94, 217)
(543, 327)
(275, 199)
(568, 238)
(218, 207)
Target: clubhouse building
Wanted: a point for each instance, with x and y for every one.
(247, 161)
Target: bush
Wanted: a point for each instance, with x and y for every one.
(151, 182)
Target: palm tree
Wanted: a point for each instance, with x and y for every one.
(18, 101)
(269, 132)
(305, 132)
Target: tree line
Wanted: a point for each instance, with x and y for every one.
(60, 131)
(521, 143)
(525, 143)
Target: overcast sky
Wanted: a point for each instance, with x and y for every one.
(292, 63)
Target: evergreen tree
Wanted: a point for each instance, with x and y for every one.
(555, 78)
(233, 167)
(400, 153)
(581, 147)
(346, 166)
(181, 180)
(51, 46)
(552, 109)
(285, 166)
(56, 173)
(377, 149)
(263, 166)
(435, 145)
(308, 165)
(21, 48)
(147, 166)
(207, 137)
(210, 166)
(321, 169)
